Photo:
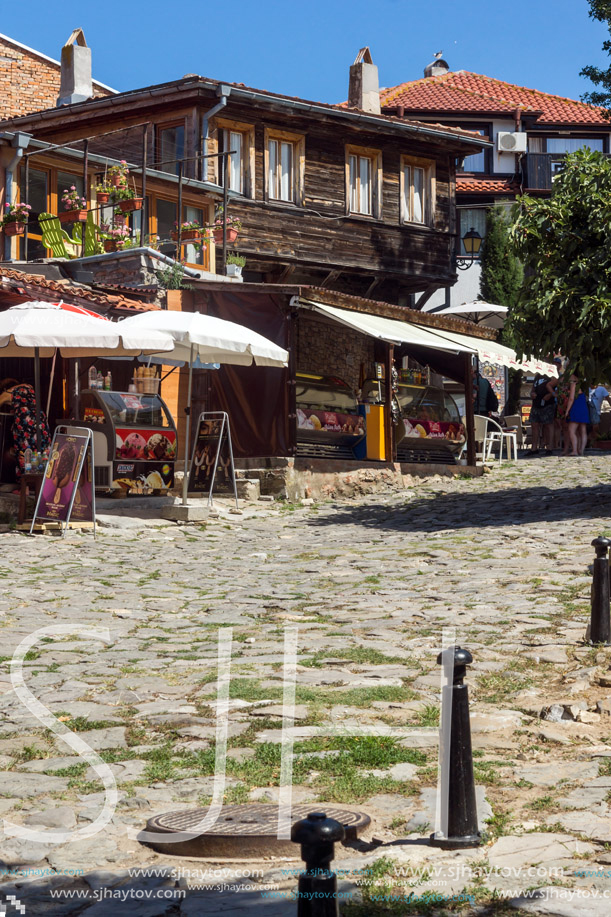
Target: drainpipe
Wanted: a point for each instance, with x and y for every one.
(19, 143)
(224, 92)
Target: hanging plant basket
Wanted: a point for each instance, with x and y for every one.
(188, 235)
(73, 216)
(14, 228)
(232, 235)
(110, 245)
(102, 197)
(135, 203)
(117, 180)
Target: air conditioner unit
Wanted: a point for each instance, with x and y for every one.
(508, 142)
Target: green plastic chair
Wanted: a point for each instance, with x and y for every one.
(57, 239)
(94, 237)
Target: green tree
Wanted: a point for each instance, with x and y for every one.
(600, 10)
(502, 273)
(565, 244)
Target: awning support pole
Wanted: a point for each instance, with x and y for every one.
(185, 481)
(469, 412)
(390, 349)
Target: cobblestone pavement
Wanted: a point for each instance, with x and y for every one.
(369, 584)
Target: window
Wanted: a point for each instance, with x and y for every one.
(285, 166)
(471, 218)
(561, 145)
(476, 162)
(170, 147)
(44, 194)
(238, 139)
(233, 142)
(417, 191)
(363, 181)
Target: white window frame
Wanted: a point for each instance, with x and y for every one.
(284, 185)
(363, 197)
(411, 212)
(246, 163)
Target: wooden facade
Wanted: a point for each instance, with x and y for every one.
(316, 237)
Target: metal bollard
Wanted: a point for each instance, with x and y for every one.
(317, 886)
(458, 804)
(600, 620)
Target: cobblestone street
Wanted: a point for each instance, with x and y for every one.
(369, 583)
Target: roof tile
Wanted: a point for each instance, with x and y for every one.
(46, 289)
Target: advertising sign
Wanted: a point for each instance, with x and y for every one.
(145, 445)
(82, 508)
(142, 477)
(434, 429)
(61, 476)
(330, 422)
(211, 465)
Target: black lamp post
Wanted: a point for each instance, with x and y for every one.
(472, 242)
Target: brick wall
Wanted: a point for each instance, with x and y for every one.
(27, 82)
(333, 350)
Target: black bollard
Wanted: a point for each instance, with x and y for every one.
(600, 620)
(317, 886)
(459, 807)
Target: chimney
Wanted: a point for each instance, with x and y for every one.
(364, 85)
(437, 67)
(76, 85)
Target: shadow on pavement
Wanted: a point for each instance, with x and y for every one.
(447, 511)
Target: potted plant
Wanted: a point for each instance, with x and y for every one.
(103, 192)
(15, 218)
(118, 175)
(115, 238)
(190, 231)
(233, 227)
(119, 218)
(234, 265)
(74, 207)
(126, 199)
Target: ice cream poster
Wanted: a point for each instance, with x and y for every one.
(330, 422)
(211, 447)
(82, 508)
(62, 473)
(145, 445)
(434, 429)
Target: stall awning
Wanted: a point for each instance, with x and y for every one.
(392, 330)
(492, 352)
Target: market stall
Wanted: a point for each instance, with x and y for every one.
(328, 419)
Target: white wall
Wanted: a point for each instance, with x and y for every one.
(466, 289)
(503, 162)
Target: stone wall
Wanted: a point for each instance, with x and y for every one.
(29, 82)
(327, 348)
(133, 270)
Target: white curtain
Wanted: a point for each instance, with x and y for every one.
(286, 178)
(235, 170)
(419, 203)
(273, 166)
(365, 178)
(354, 197)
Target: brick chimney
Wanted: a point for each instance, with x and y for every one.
(75, 85)
(364, 85)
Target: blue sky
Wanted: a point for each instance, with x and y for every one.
(305, 49)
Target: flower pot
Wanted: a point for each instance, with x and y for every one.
(188, 235)
(14, 228)
(110, 245)
(102, 197)
(233, 270)
(232, 235)
(117, 180)
(73, 216)
(134, 203)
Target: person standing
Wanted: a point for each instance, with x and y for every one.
(485, 401)
(542, 414)
(598, 394)
(577, 416)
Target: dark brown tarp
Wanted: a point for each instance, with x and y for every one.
(254, 397)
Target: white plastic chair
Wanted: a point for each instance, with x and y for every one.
(515, 421)
(495, 434)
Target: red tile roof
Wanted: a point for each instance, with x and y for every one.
(486, 186)
(462, 92)
(35, 286)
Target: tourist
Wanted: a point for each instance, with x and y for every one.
(542, 415)
(598, 394)
(577, 415)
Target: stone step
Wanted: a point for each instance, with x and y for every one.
(248, 488)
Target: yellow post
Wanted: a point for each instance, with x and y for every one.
(376, 438)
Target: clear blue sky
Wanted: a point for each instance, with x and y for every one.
(305, 49)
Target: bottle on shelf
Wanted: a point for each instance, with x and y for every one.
(108, 382)
(93, 377)
(27, 461)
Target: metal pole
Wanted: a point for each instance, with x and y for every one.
(37, 394)
(600, 621)
(27, 200)
(225, 201)
(317, 885)
(180, 168)
(185, 482)
(85, 190)
(469, 410)
(143, 212)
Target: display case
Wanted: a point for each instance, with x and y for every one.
(134, 440)
(328, 419)
(429, 416)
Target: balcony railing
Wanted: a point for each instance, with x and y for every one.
(540, 170)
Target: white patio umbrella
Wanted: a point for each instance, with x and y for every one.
(205, 339)
(478, 311)
(37, 329)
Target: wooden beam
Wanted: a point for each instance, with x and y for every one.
(372, 287)
(424, 297)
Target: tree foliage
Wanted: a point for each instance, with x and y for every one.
(565, 244)
(600, 10)
(501, 276)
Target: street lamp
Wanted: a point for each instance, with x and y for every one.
(472, 242)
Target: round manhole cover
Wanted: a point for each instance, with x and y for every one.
(247, 830)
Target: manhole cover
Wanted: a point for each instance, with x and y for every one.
(247, 830)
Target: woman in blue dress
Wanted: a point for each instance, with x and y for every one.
(577, 416)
